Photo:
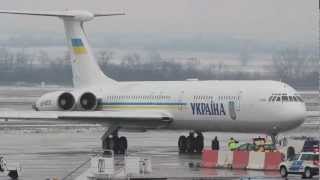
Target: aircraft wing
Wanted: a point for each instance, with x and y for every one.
(127, 118)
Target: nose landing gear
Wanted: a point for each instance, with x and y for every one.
(191, 144)
(274, 138)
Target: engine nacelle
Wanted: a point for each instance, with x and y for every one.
(56, 101)
(88, 101)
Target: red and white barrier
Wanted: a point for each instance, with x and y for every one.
(272, 160)
(241, 160)
(209, 158)
(225, 159)
(256, 160)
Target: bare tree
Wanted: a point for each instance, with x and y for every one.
(43, 58)
(244, 56)
(289, 63)
(104, 57)
(131, 60)
(6, 58)
(23, 59)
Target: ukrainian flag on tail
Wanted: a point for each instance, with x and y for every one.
(77, 46)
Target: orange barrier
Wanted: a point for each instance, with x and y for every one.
(240, 159)
(209, 158)
(272, 160)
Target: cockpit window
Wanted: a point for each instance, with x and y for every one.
(300, 99)
(290, 98)
(285, 98)
(294, 98)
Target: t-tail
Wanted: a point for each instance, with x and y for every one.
(85, 69)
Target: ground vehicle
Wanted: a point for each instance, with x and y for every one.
(247, 147)
(305, 163)
(311, 145)
(254, 147)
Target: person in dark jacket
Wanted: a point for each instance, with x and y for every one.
(215, 144)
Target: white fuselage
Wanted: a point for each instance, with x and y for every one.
(230, 106)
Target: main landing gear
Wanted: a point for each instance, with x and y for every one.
(191, 143)
(112, 141)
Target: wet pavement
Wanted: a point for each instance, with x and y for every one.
(51, 153)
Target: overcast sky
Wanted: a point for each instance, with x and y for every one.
(293, 20)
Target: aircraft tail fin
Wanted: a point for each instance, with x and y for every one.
(85, 69)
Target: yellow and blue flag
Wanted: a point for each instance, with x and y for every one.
(78, 47)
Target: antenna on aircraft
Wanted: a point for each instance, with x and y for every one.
(75, 14)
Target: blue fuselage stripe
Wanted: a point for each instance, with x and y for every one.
(142, 103)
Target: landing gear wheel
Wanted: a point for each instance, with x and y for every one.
(123, 145)
(114, 144)
(283, 171)
(307, 173)
(182, 144)
(106, 143)
(13, 174)
(190, 143)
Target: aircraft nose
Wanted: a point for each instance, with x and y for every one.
(297, 113)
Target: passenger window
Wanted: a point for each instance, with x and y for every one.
(278, 98)
(270, 98)
(285, 98)
(274, 98)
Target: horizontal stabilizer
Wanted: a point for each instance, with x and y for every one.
(40, 13)
(109, 14)
(66, 13)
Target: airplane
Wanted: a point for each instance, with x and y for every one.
(255, 106)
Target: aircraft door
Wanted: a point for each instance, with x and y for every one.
(234, 107)
(232, 110)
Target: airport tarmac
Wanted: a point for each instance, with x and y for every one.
(46, 150)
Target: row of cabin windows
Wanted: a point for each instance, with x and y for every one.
(137, 97)
(285, 99)
(217, 97)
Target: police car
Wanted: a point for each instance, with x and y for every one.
(305, 163)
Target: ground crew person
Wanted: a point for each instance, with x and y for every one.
(232, 144)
